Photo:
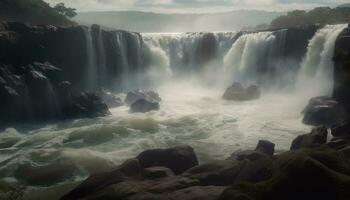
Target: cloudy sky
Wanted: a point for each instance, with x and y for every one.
(194, 5)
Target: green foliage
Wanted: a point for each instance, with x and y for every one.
(320, 15)
(31, 11)
(63, 10)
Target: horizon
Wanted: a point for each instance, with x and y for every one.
(194, 6)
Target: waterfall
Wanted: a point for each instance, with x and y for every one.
(191, 52)
(254, 57)
(316, 73)
(101, 52)
(123, 60)
(91, 71)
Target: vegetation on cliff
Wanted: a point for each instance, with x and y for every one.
(320, 15)
(31, 11)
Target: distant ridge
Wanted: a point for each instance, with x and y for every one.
(160, 22)
(345, 5)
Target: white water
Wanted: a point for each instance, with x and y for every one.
(316, 73)
(191, 113)
(91, 71)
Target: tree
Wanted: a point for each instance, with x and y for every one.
(66, 11)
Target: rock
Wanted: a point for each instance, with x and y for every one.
(95, 183)
(228, 172)
(341, 130)
(263, 149)
(136, 95)
(317, 136)
(319, 173)
(238, 93)
(178, 159)
(342, 69)
(111, 100)
(86, 105)
(143, 106)
(324, 111)
(266, 147)
(157, 172)
(197, 193)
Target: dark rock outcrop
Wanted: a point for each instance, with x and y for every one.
(238, 93)
(342, 69)
(316, 137)
(38, 92)
(319, 173)
(324, 111)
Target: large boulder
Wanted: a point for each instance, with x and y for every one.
(324, 111)
(143, 106)
(178, 159)
(319, 173)
(263, 149)
(136, 95)
(316, 137)
(86, 104)
(238, 93)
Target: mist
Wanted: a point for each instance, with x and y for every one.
(158, 22)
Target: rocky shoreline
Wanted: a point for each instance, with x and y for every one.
(314, 168)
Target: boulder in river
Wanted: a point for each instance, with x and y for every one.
(149, 96)
(143, 106)
(239, 93)
(86, 104)
(324, 111)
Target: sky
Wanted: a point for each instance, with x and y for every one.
(189, 6)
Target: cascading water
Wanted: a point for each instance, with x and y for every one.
(92, 68)
(190, 52)
(123, 59)
(101, 52)
(315, 77)
(254, 58)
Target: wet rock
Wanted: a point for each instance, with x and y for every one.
(317, 136)
(157, 172)
(341, 130)
(178, 159)
(86, 105)
(238, 93)
(263, 149)
(136, 95)
(319, 173)
(143, 106)
(324, 111)
(111, 100)
(102, 181)
(266, 147)
(342, 69)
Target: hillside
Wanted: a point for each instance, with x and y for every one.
(31, 11)
(321, 15)
(156, 22)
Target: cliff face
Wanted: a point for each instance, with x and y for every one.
(342, 69)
